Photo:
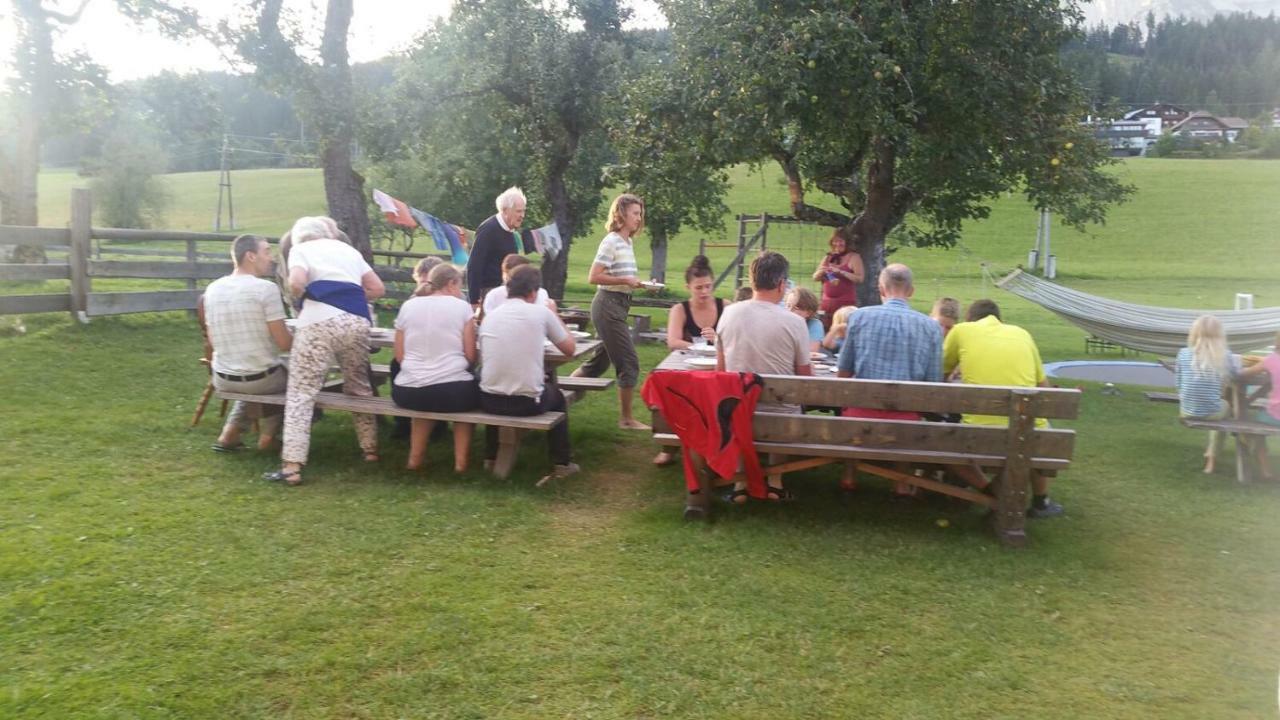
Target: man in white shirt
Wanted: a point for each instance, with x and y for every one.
(243, 321)
(763, 337)
(512, 374)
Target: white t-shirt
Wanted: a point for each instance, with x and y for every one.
(764, 338)
(326, 260)
(237, 309)
(512, 347)
(433, 328)
(498, 295)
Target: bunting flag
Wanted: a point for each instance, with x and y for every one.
(396, 211)
(547, 240)
(445, 236)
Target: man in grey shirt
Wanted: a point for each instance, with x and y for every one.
(761, 336)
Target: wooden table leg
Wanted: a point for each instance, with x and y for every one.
(508, 448)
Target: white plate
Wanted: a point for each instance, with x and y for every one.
(580, 335)
(652, 285)
(701, 363)
(818, 356)
(709, 350)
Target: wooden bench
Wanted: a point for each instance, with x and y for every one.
(575, 388)
(1247, 433)
(510, 428)
(872, 446)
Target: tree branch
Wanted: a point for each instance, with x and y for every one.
(64, 18)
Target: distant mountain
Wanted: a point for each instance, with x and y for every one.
(1113, 12)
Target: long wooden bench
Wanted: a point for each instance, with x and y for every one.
(575, 388)
(873, 446)
(510, 428)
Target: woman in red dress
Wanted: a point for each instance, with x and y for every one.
(840, 272)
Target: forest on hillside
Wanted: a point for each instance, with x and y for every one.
(1229, 65)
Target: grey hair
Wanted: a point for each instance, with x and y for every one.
(312, 228)
(897, 276)
(508, 198)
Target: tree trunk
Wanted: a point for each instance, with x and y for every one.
(344, 192)
(555, 270)
(343, 186)
(658, 243)
(875, 221)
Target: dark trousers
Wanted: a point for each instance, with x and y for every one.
(552, 400)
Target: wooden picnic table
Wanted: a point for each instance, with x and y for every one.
(679, 360)
(386, 338)
(1249, 434)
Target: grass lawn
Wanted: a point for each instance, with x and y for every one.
(143, 576)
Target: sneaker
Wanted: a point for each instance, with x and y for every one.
(695, 513)
(562, 471)
(1050, 509)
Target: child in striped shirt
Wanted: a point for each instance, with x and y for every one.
(1203, 369)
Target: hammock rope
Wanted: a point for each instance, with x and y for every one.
(1158, 330)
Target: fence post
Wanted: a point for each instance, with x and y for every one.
(78, 257)
(192, 257)
(742, 241)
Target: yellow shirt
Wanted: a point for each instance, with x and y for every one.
(992, 353)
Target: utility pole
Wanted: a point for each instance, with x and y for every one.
(224, 186)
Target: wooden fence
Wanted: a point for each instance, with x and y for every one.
(85, 263)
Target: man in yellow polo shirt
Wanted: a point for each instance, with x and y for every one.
(988, 352)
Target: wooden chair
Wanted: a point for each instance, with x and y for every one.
(206, 395)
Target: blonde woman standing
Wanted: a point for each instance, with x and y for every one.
(615, 276)
(1203, 369)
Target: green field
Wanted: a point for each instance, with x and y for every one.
(1196, 233)
(142, 576)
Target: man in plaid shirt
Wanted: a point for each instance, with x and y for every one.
(891, 342)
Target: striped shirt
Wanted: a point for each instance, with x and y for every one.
(1200, 391)
(618, 257)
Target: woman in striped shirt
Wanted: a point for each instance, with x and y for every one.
(615, 276)
(1203, 369)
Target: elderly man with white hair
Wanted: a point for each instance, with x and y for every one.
(496, 238)
(335, 285)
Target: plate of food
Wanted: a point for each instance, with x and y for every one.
(580, 335)
(703, 349)
(701, 363)
(652, 285)
(818, 356)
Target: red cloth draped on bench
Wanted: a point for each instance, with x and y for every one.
(711, 413)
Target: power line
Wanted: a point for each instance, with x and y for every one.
(272, 139)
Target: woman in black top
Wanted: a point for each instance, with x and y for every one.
(696, 317)
(700, 314)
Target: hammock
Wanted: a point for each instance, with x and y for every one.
(1158, 330)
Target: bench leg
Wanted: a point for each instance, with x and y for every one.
(1010, 517)
(508, 448)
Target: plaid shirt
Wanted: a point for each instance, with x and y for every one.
(892, 342)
